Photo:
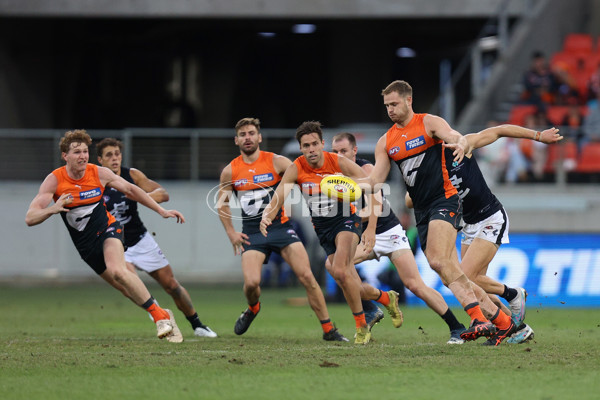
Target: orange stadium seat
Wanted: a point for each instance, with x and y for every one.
(581, 83)
(561, 59)
(554, 151)
(556, 114)
(519, 112)
(578, 43)
(592, 62)
(590, 159)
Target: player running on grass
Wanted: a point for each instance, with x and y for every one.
(253, 177)
(414, 142)
(391, 241)
(142, 251)
(486, 223)
(336, 223)
(76, 189)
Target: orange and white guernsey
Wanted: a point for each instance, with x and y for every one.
(87, 217)
(420, 158)
(254, 185)
(324, 210)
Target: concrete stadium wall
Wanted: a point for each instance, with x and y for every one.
(258, 9)
(200, 251)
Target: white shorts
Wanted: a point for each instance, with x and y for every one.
(389, 241)
(493, 229)
(146, 255)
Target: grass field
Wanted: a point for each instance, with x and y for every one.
(88, 342)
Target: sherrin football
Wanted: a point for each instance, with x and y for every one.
(340, 187)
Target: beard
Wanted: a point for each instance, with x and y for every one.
(249, 150)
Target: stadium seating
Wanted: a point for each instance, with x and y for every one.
(556, 114)
(566, 61)
(580, 58)
(589, 162)
(592, 62)
(519, 112)
(578, 43)
(568, 150)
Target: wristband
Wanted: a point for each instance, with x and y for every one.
(537, 136)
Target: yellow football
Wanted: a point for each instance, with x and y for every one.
(340, 187)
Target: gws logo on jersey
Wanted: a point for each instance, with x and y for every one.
(310, 188)
(263, 178)
(414, 143)
(250, 202)
(393, 150)
(89, 194)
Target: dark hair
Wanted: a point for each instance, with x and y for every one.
(104, 143)
(308, 127)
(345, 135)
(537, 54)
(247, 121)
(401, 87)
(74, 136)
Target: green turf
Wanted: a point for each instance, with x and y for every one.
(88, 342)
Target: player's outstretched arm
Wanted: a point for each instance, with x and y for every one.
(38, 210)
(490, 135)
(237, 239)
(107, 177)
(283, 190)
(154, 190)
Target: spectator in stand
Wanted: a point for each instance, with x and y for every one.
(571, 125)
(594, 87)
(539, 81)
(536, 152)
(566, 87)
(591, 124)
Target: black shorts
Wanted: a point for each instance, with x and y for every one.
(327, 236)
(276, 239)
(449, 210)
(95, 258)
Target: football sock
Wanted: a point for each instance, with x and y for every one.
(509, 293)
(368, 305)
(255, 308)
(194, 321)
(474, 312)
(155, 310)
(383, 298)
(359, 318)
(451, 320)
(326, 325)
(501, 320)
